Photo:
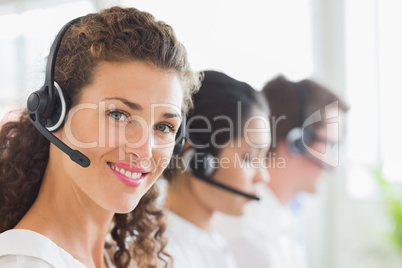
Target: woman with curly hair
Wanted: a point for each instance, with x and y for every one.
(128, 84)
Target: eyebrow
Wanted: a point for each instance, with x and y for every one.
(138, 107)
(131, 105)
(171, 115)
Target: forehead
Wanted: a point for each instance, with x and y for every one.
(135, 81)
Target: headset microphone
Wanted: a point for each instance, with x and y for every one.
(228, 188)
(75, 155)
(48, 107)
(200, 164)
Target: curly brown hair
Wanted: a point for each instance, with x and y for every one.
(112, 35)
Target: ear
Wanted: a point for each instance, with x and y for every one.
(283, 150)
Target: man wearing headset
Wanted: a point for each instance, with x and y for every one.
(307, 125)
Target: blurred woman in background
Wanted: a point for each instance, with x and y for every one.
(218, 170)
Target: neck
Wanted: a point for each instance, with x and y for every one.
(70, 219)
(184, 202)
(284, 174)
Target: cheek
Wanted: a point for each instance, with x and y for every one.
(80, 131)
(235, 176)
(319, 147)
(232, 204)
(164, 140)
(314, 175)
(86, 128)
(161, 159)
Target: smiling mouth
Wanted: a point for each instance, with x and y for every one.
(126, 173)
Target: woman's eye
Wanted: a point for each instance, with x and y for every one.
(118, 116)
(164, 128)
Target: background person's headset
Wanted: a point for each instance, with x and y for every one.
(200, 163)
(297, 138)
(48, 107)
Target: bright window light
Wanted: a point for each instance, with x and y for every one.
(251, 41)
(25, 47)
(373, 89)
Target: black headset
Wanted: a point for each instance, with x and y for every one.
(200, 163)
(298, 137)
(48, 107)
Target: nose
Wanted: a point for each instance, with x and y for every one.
(142, 147)
(137, 155)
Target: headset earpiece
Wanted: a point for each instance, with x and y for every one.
(294, 141)
(60, 110)
(180, 136)
(53, 115)
(199, 162)
(298, 138)
(37, 103)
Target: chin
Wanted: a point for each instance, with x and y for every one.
(240, 213)
(124, 206)
(311, 190)
(235, 210)
(233, 213)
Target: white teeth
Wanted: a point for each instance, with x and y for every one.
(134, 175)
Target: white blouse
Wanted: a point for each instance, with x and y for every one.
(193, 247)
(266, 236)
(24, 248)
